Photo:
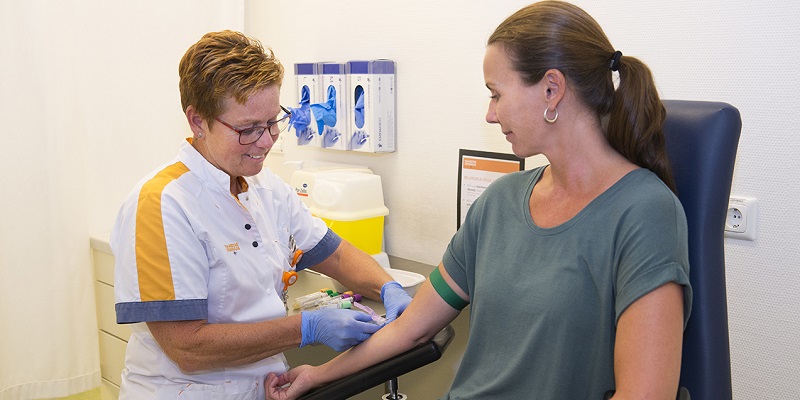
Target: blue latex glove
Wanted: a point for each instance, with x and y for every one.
(395, 300)
(358, 110)
(325, 113)
(301, 117)
(337, 329)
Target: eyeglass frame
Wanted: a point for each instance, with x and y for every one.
(269, 126)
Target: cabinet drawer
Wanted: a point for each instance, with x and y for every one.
(106, 316)
(112, 357)
(103, 266)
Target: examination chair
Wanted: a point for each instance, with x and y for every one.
(702, 138)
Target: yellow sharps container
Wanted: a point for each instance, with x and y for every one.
(351, 204)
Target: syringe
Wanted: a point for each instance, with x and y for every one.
(357, 304)
(375, 317)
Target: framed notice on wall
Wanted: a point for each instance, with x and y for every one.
(476, 170)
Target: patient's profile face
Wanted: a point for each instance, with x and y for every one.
(514, 104)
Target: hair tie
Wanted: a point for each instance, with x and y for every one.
(614, 64)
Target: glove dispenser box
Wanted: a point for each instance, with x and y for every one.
(309, 91)
(372, 105)
(334, 123)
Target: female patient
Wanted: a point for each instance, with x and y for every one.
(576, 272)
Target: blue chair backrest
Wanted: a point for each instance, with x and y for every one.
(702, 139)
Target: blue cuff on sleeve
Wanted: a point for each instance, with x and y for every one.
(168, 310)
(321, 251)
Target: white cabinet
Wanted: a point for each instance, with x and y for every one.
(113, 337)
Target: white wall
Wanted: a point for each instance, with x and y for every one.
(131, 105)
(739, 52)
(88, 104)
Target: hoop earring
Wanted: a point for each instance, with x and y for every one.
(550, 121)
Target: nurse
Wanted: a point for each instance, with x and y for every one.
(203, 244)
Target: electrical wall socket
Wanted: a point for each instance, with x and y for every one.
(740, 220)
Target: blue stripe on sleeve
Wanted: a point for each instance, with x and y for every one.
(170, 310)
(321, 251)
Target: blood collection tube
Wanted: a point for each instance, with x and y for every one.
(314, 295)
(336, 303)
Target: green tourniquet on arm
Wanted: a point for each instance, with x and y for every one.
(445, 291)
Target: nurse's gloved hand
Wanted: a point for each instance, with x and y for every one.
(337, 329)
(395, 300)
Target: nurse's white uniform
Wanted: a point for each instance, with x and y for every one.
(187, 249)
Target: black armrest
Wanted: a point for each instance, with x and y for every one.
(382, 372)
(683, 394)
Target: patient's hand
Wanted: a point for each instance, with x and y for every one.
(299, 381)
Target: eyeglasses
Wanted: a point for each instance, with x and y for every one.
(252, 134)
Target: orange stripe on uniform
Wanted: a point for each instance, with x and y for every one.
(152, 258)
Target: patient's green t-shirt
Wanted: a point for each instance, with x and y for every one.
(544, 303)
